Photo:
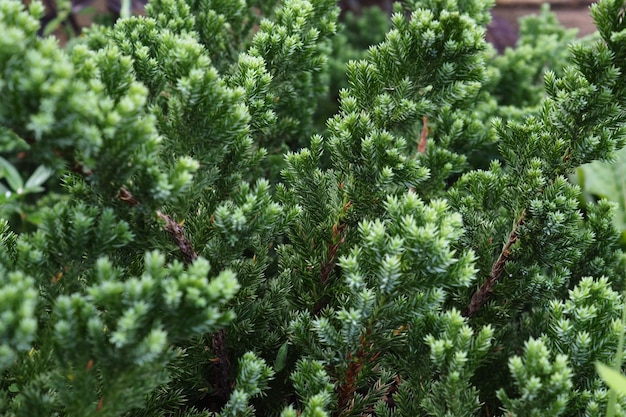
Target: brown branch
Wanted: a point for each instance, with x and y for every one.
(329, 265)
(220, 379)
(127, 197)
(338, 239)
(421, 147)
(175, 230)
(485, 291)
(347, 389)
(100, 405)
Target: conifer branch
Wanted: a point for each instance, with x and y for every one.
(221, 363)
(220, 379)
(175, 230)
(485, 291)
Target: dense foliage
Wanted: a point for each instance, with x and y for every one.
(237, 208)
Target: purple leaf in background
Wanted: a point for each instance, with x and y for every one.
(112, 6)
(501, 33)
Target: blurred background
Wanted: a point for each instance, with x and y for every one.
(66, 18)
(506, 13)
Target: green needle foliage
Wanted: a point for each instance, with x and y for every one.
(238, 208)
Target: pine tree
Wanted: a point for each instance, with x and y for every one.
(206, 246)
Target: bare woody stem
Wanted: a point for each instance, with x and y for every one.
(175, 230)
(484, 293)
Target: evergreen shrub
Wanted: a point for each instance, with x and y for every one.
(193, 226)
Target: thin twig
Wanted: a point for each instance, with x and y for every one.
(485, 291)
(127, 197)
(421, 147)
(175, 230)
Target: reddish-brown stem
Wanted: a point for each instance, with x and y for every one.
(338, 240)
(421, 147)
(347, 389)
